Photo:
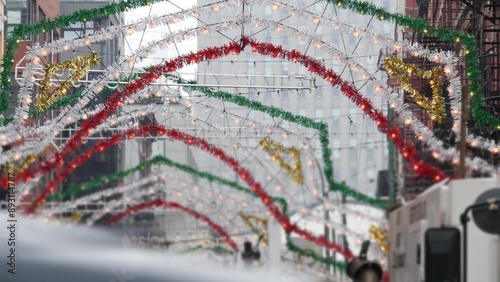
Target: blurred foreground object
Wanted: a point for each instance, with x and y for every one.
(55, 252)
(360, 269)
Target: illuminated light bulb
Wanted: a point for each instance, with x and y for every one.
(65, 47)
(25, 116)
(407, 121)
(495, 150)
(447, 69)
(215, 8)
(315, 20)
(43, 52)
(158, 94)
(87, 42)
(319, 45)
(237, 121)
(130, 31)
(36, 60)
(131, 62)
(28, 100)
(393, 105)
(206, 31)
(435, 155)
(356, 33)
(152, 25)
(397, 47)
(473, 144)
(84, 116)
(275, 6)
(146, 95)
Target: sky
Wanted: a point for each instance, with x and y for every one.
(138, 39)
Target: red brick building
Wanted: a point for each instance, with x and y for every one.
(479, 18)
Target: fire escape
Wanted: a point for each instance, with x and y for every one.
(478, 18)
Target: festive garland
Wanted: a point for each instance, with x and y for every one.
(403, 72)
(80, 65)
(479, 113)
(174, 205)
(273, 149)
(426, 134)
(379, 235)
(74, 218)
(247, 219)
(314, 66)
(25, 31)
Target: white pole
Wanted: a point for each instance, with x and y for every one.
(274, 233)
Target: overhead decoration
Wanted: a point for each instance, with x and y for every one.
(174, 205)
(379, 235)
(409, 152)
(80, 66)
(248, 219)
(403, 72)
(314, 66)
(469, 43)
(74, 218)
(274, 149)
(444, 58)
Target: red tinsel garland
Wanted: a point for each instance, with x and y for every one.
(209, 148)
(174, 205)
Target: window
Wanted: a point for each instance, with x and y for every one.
(302, 93)
(284, 93)
(335, 91)
(353, 115)
(285, 68)
(370, 153)
(80, 29)
(319, 113)
(319, 92)
(14, 18)
(251, 93)
(336, 149)
(353, 154)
